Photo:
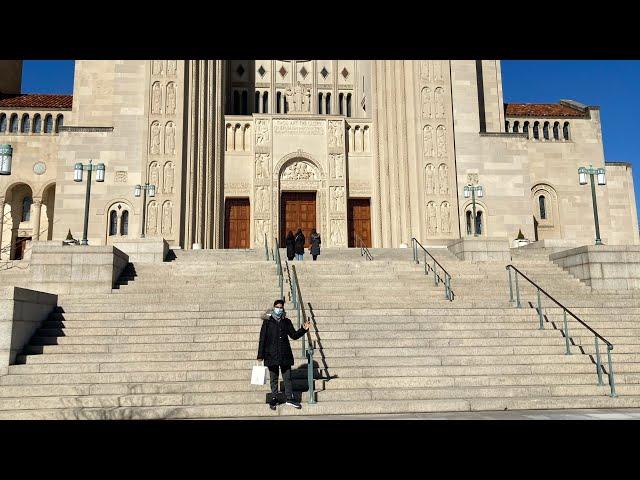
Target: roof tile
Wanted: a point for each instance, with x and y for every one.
(36, 100)
(541, 110)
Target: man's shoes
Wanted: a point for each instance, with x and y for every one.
(272, 406)
(294, 404)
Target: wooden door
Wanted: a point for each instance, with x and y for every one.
(237, 218)
(359, 218)
(297, 210)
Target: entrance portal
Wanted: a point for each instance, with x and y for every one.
(359, 218)
(297, 210)
(236, 219)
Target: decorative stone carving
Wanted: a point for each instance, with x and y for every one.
(472, 178)
(170, 139)
(171, 99)
(300, 171)
(166, 217)
(439, 101)
(120, 176)
(157, 67)
(424, 70)
(155, 138)
(445, 216)
(441, 141)
(262, 199)
(337, 161)
(152, 218)
(156, 98)
(432, 219)
(336, 134)
(336, 197)
(154, 174)
(262, 165)
(262, 227)
(337, 235)
(427, 141)
(426, 102)
(172, 66)
(262, 132)
(443, 176)
(429, 184)
(168, 177)
(437, 70)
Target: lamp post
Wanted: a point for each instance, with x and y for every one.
(6, 154)
(77, 177)
(582, 179)
(152, 193)
(470, 191)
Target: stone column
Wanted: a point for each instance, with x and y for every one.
(37, 210)
(1, 224)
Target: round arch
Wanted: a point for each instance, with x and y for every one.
(288, 159)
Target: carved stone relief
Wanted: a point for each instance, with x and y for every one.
(168, 177)
(426, 103)
(432, 219)
(171, 67)
(337, 161)
(120, 176)
(439, 102)
(445, 216)
(171, 99)
(337, 234)
(337, 199)
(437, 70)
(441, 141)
(262, 132)
(170, 139)
(154, 174)
(155, 138)
(157, 67)
(156, 98)
(300, 171)
(262, 227)
(427, 141)
(424, 70)
(336, 134)
(429, 181)
(152, 218)
(262, 199)
(166, 217)
(262, 166)
(443, 176)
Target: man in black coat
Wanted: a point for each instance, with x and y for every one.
(276, 352)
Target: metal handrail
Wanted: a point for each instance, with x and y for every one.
(448, 293)
(279, 272)
(302, 318)
(266, 247)
(565, 311)
(364, 251)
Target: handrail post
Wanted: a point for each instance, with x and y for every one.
(426, 271)
(510, 287)
(312, 393)
(612, 382)
(446, 286)
(518, 304)
(266, 248)
(435, 273)
(540, 311)
(566, 333)
(598, 363)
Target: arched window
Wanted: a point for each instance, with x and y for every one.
(37, 123)
(516, 127)
(479, 225)
(13, 124)
(348, 104)
(525, 128)
(236, 102)
(565, 131)
(469, 216)
(340, 108)
(26, 208)
(59, 122)
(48, 124)
(556, 131)
(245, 102)
(26, 124)
(3, 123)
(285, 104)
(265, 102)
(506, 125)
(278, 101)
(124, 223)
(113, 223)
(543, 207)
(320, 103)
(536, 130)
(328, 101)
(545, 130)
(256, 106)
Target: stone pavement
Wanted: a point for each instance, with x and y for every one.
(577, 414)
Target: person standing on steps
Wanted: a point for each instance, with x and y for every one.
(290, 242)
(314, 250)
(299, 245)
(274, 349)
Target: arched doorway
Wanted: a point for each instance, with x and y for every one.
(297, 211)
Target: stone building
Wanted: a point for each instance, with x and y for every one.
(244, 149)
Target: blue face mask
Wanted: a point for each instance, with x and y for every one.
(278, 311)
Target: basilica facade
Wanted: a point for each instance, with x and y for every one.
(370, 152)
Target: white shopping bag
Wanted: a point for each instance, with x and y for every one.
(259, 375)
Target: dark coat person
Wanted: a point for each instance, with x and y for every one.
(290, 241)
(315, 243)
(299, 242)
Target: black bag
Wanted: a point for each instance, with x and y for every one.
(279, 397)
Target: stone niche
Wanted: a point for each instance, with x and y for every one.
(602, 267)
(481, 249)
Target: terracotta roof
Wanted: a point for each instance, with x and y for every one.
(36, 100)
(542, 110)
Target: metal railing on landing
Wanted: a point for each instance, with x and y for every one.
(565, 332)
(302, 318)
(364, 251)
(433, 267)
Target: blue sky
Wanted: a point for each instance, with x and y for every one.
(611, 84)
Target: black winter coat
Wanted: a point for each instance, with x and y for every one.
(291, 245)
(274, 345)
(300, 243)
(315, 244)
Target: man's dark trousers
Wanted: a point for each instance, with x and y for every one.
(286, 376)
